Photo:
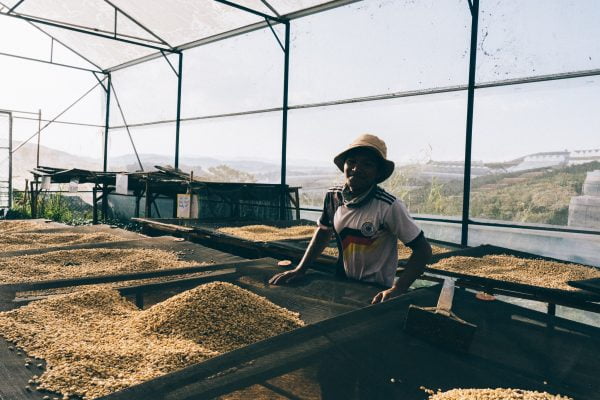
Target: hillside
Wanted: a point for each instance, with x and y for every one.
(24, 160)
(537, 196)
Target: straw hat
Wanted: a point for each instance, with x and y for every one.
(370, 142)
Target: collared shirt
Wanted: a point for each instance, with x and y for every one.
(367, 229)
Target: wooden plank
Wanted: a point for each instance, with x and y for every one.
(165, 227)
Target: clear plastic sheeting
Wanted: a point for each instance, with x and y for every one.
(52, 89)
(537, 37)
(429, 160)
(537, 176)
(82, 150)
(249, 148)
(155, 146)
(239, 74)
(146, 92)
(94, 14)
(24, 159)
(157, 23)
(101, 51)
(183, 21)
(4, 159)
(12, 39)
(376, 47)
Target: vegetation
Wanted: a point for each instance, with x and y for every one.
(534, 196)
(224, 173)
(67, 209)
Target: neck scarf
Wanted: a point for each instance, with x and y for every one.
(350, 198)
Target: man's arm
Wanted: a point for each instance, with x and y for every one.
(421, 254)
(318, 242)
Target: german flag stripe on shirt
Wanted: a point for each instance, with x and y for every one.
(354, 236)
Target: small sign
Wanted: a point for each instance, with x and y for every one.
(187, 206)
(73, 185)
(183, 205)
(122, 184)
(46, 182)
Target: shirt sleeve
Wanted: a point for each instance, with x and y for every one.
(326, 219)
(400, 223)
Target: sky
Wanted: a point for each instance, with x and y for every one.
(367, 48)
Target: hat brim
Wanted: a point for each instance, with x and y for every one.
(387, 165)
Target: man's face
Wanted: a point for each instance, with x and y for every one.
(361, 169)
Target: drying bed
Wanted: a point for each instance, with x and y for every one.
(79, 263)
(513, 347)
(24, 225)
(95, 342)
(530, 271)
(176, 315)
(149, 258)
(283, 239)
(52, 237)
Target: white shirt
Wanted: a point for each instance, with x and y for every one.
(368, 231)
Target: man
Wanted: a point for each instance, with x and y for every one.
(367, 222)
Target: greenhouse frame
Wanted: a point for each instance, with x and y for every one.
(184, 299)
(155, 41)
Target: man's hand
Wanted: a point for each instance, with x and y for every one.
(287, 276)
(386, 295)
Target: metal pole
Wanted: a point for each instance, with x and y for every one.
(469, 133)
(107, 122)
(37, 162)
(34, 195)
(47, 62)
(10, 166)
(105, 155)
(286, 73)
(94, 205)
(178, 120)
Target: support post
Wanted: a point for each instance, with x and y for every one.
(105, 155)
(94, 205)
(37, 158)
(286, 72)
(10, 161)
(178, 121)
(469, 131)
(34, 196)
(138, 197)
(148, 208)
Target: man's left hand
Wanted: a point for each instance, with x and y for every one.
(386, 295)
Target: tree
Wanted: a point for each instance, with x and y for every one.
(224, 173)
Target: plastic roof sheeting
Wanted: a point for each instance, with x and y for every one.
(100, 51)
(160, 23)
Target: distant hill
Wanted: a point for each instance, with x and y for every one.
(534, 196)
(24, 160)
